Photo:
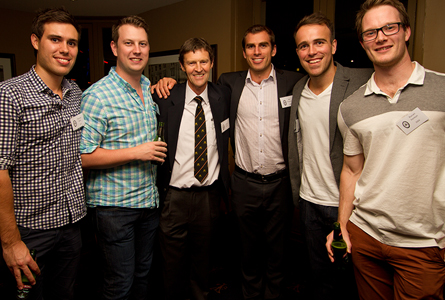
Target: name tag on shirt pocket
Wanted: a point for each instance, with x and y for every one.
(77, 122)
(225, 125)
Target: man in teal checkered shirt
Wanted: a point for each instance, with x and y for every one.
(117, 147)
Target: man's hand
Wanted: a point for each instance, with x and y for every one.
(154, 151)
(163, 87)
(330, 239)
(17, 258)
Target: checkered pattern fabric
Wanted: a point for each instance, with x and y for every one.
(40, 148)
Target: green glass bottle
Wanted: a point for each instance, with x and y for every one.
(24, 293)
(160, 135)
(338, 246)
(159, 138)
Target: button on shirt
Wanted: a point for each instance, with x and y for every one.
(257, 128)
(182, 173)
(116, 118)
(41, 151)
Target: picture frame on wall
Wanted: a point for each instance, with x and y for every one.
(166, 64)
(7, 66)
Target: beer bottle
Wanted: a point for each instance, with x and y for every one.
(24, 293)
(159, 138)
(339, 247)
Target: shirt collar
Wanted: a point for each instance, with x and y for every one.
(271, 77)
(190, 95)
(42, 87)
(145, 82)
(417, 77)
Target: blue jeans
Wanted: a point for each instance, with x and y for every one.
(58, 257)
(125, 237)
(316, 224)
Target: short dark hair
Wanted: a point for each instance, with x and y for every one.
(369, 4)
(130, 20)
(316, 18)
(257, 29)
(52, 15)
(194, 44)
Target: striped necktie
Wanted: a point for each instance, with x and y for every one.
(200, 166)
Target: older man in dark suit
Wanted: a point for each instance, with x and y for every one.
(195, 175)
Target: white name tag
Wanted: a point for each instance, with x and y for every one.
(156, 106)
(412, 120)
(225, 125)
(77, 122)
(286, 101)
(297, 125)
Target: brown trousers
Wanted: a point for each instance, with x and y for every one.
(386, 272)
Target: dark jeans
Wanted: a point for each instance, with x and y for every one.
(316, 224)
(125, 237)
(58, 257)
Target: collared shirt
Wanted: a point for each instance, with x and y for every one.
(183, 173)
(40, 148)
(257, 127)
(116, 118)
(416, 78)
(400, 195)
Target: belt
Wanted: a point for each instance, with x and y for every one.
(214, 185)
(262, 178)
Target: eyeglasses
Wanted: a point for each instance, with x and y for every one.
(390, 29)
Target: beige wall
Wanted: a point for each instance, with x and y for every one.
(15, 37)
(220, 22)
(434, 35)
(170, 26)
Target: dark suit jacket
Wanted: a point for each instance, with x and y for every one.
(171, 110)
(285, 82)
(346, 82)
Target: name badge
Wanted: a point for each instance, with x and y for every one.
(225, 125)
(412, 120)
(156, 107)
(286, 101)
(77, 122)
(297, 125)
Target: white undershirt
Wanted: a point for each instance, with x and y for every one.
(182, 173)
(318, 183)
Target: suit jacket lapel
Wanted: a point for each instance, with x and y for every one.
(174, 121)
(339, 86)
(281, 85)
(237, 90)
(215, 106)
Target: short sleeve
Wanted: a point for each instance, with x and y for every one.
(351, 143)
(95, 123)
(9, 124)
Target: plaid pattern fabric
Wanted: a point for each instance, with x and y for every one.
(115, 118)
(41, 151)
